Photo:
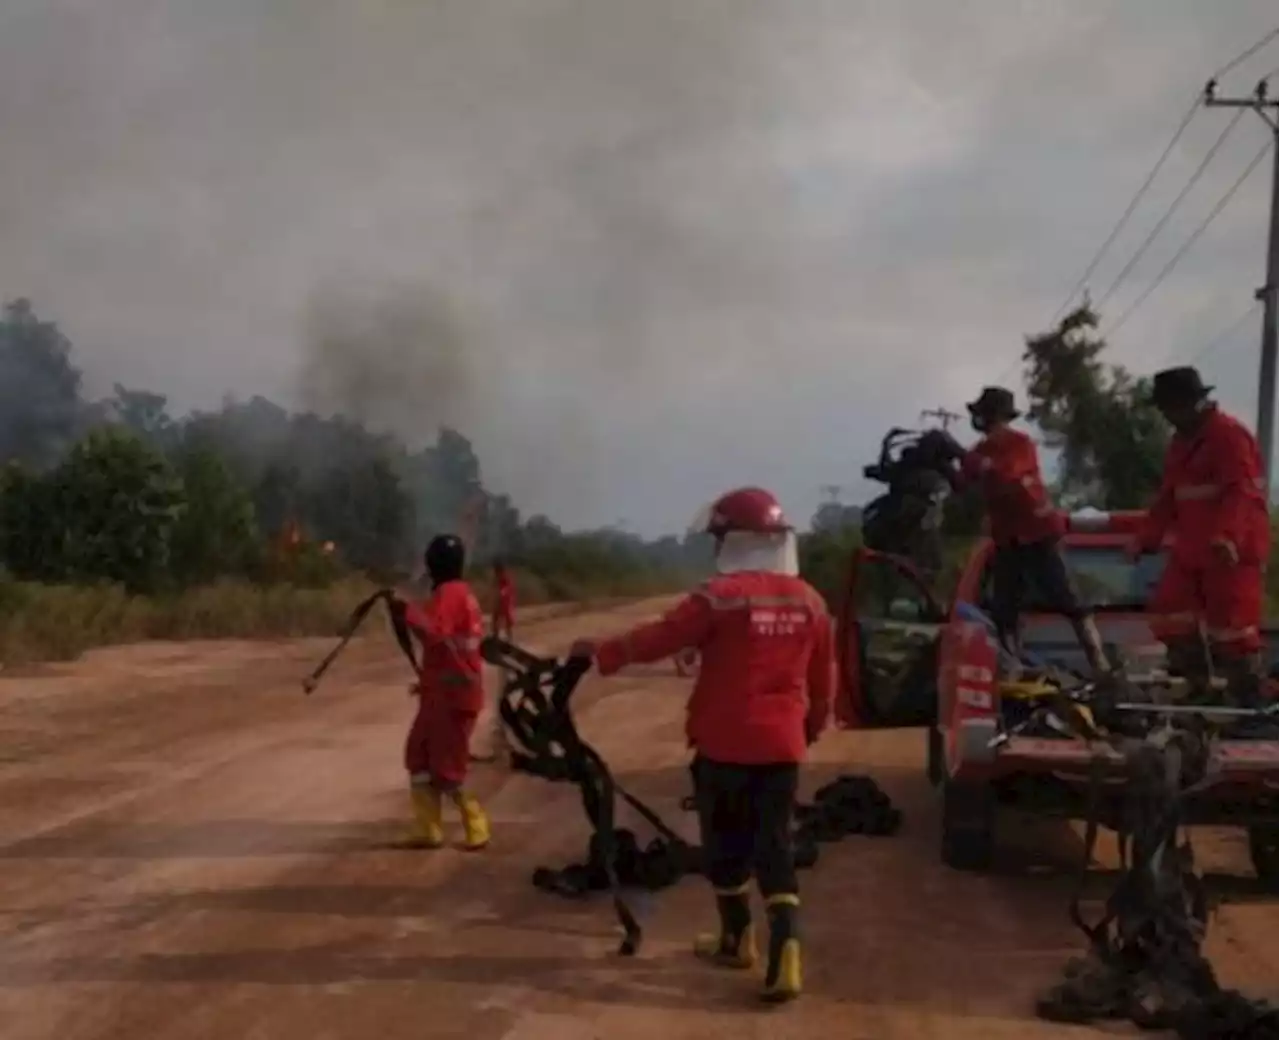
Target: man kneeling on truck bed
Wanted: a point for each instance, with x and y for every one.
(764, 637)
(1026, 528)
(1211, 502)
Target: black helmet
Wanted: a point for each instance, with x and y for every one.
(445, 558)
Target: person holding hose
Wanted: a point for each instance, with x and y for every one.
(449, 626)
(1026, 527)
(762, 696)
(1212, 505)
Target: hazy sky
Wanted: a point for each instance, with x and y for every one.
(638, 250)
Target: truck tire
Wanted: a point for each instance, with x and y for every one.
(1262, 851)
(935, 766)
(968, 825)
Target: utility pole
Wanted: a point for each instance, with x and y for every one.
(1266, 426)
(941, 414)
(832, 491)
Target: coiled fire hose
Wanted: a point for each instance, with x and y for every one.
(535, 708)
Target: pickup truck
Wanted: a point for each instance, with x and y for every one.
(907, 660)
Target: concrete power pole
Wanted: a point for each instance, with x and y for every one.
(1266, 426)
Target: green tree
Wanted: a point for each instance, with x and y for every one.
(144, 413)
(363, 509)
(110, 509)
(825, 558)
(30, 542)
(1110, 439)
(40, 405)
(217, 533)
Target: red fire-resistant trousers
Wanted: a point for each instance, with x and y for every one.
(1227, 599)
(439, 742)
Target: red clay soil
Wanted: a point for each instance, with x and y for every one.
(191, 849)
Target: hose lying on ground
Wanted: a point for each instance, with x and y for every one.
(535, 711)
(847, 805)
(1145, 961)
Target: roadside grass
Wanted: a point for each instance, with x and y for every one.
(59, 622)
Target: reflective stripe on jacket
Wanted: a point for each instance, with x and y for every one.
(1211, 490)
(767, 669)
(1005, 465)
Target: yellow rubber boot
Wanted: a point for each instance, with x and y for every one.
(782, 980)
(735, 944)
(475, 823)
(428, 823)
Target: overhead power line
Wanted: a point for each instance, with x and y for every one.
(1217, 340)
(1248, 53)
(1120, 224)
(1128, 211)
(1191, 241)
(1168, 213)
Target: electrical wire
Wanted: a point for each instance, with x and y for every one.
(1246, 54)
(1129, 209)
(1191, 241)
(1173, 208)
(1196, 104)
(1221, 337)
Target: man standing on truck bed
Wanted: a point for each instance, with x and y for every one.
(1025, 526)
(1211, 502)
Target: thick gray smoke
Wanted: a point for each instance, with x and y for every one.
(637, 250)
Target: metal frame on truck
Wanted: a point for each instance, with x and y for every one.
(906, 659)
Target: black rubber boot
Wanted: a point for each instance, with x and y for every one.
(1244, 679)
(735, 945)
(782, 979)
(1189, 659)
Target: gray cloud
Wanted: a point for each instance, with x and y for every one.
(680, 243)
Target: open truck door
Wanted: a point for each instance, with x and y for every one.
(887, 645)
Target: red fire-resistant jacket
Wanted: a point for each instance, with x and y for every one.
(506, 592)
(767, 669)
(449, 627)
(1007, 469)
(1211, 489)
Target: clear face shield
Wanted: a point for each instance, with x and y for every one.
(738, 551)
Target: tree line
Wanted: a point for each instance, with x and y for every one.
(122, 490)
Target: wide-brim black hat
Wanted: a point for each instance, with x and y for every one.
(1178, 386)
(995, 402)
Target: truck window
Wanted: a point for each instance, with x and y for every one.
(1106, 578)
(885, 592)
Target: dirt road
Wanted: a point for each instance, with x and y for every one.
(190, 849)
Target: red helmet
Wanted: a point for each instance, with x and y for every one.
(745, 509)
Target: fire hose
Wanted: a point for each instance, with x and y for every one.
(1145, 961)
(907, 519)
(399, 628)
(535, 708)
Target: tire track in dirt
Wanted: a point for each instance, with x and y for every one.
(242, 890)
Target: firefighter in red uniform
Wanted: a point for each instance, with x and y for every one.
(1211, 503)
(451, 694)
(762, 695)
(504, 610)
(1025, 526)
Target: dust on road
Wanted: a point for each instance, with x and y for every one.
(191, 849)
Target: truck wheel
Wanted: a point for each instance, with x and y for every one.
(1262, 851)
(968, 825)
(935, 767)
